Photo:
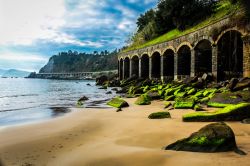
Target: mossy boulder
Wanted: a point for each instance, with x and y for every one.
(184, 103)
(230, 113)
(204, 100)
(167, 104)
(217, 105)
(154, 95)
(242, 84)
(191, 91)
(198, 107)
(159, 115)
(118, 103)
(144, 99)
(215, 137)
(169, 98)
(226, 98)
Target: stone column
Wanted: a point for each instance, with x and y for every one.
(192, 67)
(215, 62)
(175, 66)
(162, 68)
(140, 67)
(123, 70)
(130, 68)
(246, 56)
(150, 68)
(119, 71)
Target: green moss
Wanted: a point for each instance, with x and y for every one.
(181, 94)
(198, 107)
(80, 103)
(169, 98)
(209, 91)
(205, 99)
(230, 113)
(118, 103)
(204, 141)
(191, 91)
(159, 115)
(181, 103)
(144, 99)
(217, 105)
(169, 92)
(167, 104)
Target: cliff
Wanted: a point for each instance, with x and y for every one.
(66, 62)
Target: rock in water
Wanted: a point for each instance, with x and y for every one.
(84, 98)
(101, 80)
(215, 137)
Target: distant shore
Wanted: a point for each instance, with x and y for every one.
(108, 138)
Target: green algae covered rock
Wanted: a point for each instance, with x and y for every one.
(215, 137)
(198, 107)
(118, 103)
(230, 113)
(184, 103)
(144, 99)
(169, 98)
(159, 115)
(167, 104)
(191, 91)
(217, 105)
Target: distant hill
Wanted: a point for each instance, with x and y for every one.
(14, 73)
(66, 62)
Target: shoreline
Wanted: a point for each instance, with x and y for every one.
(109, 138)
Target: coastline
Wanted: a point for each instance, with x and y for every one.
(109, 138)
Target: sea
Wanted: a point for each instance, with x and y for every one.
(31, 100)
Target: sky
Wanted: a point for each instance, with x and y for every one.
(31, 31)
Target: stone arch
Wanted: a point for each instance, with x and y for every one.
(184, 44)
(135, 65)
(168, 64)
(145, 66)
(156, 65)
(184, 61)
(126, 68)
(154, 52)
(230, 55)
(121, 69)
(226, 31)
(203, 57)
(201, 39)
(168, 48)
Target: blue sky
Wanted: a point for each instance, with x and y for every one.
(33, 30)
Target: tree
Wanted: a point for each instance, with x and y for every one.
(144, 19)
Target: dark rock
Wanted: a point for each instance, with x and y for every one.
(159, 115)
(83, 98)
(114, 89)
(214, 85)
(154, 95)
(109, 92)
(215, 137)
(88, 84)
(119, 110)
(246, 121)
(199, 84)
(242, 84)
(225, 99)
(232, 83)
(101, 80)
(207, 77)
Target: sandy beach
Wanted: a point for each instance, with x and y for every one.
(104, 137)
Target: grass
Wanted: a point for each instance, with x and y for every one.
(224, 8)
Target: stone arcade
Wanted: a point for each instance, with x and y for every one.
(224, 55)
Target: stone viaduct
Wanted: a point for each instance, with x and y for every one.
(221, 49)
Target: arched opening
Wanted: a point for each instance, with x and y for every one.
(230, 56)
(156, 65)
(121, 69)
(168, 64)
(184, 61)
(203, 57)
(126, 67)
(145, 66)
(135, 66)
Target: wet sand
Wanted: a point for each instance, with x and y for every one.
(104, 137)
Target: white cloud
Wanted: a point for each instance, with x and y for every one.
(22, 57)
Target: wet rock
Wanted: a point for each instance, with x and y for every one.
(143, 100)
(232, 83)
(242, 84)
(118, 103)
(101, 80)
(88, 84)
(215, 137)
(159, 115)
(230, 113)
(109, 92)
(114, 89)
(83, 98)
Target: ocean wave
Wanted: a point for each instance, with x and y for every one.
(22, 95)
